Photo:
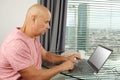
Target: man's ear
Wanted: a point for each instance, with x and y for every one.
(33, 18)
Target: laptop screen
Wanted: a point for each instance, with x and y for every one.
(99, 57)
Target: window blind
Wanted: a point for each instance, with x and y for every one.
(91, 23)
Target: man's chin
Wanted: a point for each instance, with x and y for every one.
(42, 34)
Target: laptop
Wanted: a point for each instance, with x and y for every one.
(95, 61)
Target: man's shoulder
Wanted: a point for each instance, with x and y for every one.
(16, 36)
(14, 40)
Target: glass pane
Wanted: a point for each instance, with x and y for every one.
(95, 22)
(91, 23)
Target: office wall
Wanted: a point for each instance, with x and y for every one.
(12, 14)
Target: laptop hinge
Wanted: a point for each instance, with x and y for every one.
(94, 67)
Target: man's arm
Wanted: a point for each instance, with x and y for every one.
(32, 73)
(51, 57)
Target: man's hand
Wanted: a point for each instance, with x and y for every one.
(73, 57)
(67, 65)
(70, 62)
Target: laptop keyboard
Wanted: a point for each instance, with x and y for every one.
(82, 67)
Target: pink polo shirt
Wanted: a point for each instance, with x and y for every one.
(18, 52)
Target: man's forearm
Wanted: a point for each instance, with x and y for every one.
(31, 73)
(50, 57)
(49, 73)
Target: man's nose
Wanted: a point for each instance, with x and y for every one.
(48, 27)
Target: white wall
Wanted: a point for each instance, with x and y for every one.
(12, 14)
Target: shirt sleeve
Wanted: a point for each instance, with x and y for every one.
(18, 55)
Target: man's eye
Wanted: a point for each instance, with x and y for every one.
(47, 22)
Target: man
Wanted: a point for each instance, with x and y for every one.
(21, 53)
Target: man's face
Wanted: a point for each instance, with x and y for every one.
(42, 24)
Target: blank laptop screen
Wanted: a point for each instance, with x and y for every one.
(99, 56)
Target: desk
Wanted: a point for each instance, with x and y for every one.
(110, 71)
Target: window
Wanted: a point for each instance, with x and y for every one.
(93, 22)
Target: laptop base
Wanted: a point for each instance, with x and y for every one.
(82, 67)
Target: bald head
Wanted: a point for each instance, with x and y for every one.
(38, 9)
(37, 20)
